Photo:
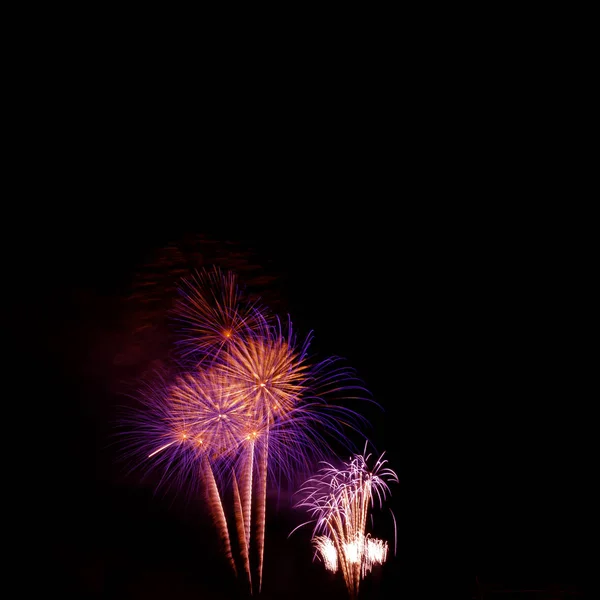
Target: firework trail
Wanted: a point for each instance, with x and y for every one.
(246, 491)
(326, 549)
(262, 506)
(241, 529)
(339, 501)
(216, 507)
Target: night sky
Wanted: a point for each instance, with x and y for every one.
(447, 326)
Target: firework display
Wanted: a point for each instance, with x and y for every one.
(340, 500)
(248, 406)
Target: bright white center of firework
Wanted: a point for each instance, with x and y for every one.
(353, 551)
(376, 550)
(262, 385)
(326, 548)
(184, 436)
(329, 554)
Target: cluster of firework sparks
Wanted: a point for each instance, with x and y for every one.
(246, 405)
(340, 500)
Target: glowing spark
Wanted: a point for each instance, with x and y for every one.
(376, 551)
(160, 449)
(353, 551)
(328, 553)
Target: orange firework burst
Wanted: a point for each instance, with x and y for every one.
(267, 372)
(216, 419)
(214, 311)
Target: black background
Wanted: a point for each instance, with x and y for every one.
(451, 324)
(419, 214)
